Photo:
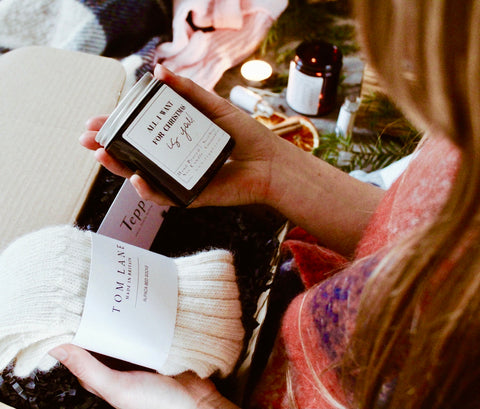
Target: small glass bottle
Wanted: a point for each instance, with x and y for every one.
(346, 117)
(250, 101)
(169, 142)
(313, 78)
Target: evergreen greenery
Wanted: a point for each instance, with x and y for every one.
(389, 136)
(328, 21)
(370, 153)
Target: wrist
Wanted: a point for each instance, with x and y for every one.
(203, 392)
(327, 202)
(216, 401)
(289, 177)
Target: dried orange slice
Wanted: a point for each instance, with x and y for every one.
(296, 129)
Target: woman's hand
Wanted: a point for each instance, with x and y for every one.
(265, 168)
(139, 389)
(244, 179)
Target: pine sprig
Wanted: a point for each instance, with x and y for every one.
(388, 136)
(368, 154)
(380, 115)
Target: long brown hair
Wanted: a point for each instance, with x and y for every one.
(418, 330)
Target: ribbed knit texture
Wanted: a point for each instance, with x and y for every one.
(208, 331)
(44, 281)
(44, 278)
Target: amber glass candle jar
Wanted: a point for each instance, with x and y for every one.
(313, 78)
(169, 142)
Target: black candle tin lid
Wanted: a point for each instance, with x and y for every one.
(318, 56)
(125, 108)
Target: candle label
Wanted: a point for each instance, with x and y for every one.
(131, 303)
(176, 136)
(303, 91)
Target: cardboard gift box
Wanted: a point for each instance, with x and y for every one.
(48, 178)
(46, 95)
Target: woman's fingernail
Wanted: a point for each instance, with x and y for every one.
(161, 71)
(59, 353)
(136, 181)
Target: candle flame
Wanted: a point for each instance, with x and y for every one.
(256, 70)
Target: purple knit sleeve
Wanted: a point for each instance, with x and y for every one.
(334, 305)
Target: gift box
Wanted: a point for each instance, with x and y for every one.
(47, 95)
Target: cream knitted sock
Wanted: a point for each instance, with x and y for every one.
(208, 331)
(44, 280)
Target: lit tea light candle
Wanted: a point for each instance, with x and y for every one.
(256, 70)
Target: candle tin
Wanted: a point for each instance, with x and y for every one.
(313, 78)
(159, 134)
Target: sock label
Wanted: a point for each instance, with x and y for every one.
(131, 303)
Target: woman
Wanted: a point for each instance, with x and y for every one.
(397, 327)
